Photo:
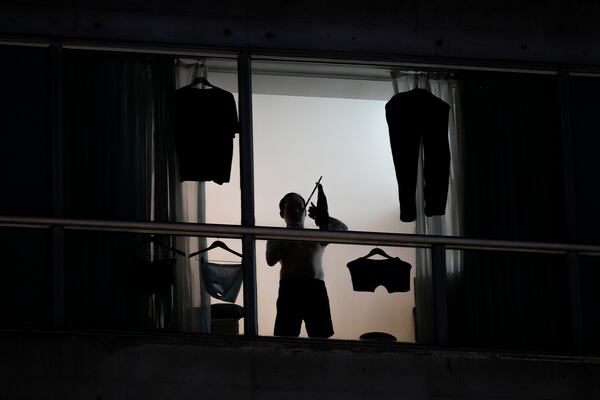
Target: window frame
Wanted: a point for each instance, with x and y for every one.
(247, 230)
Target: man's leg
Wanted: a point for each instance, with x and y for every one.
(317, 316)
(289, 319)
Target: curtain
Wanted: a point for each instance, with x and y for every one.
(584, 103)
(513, 190)
(444, 86)
(120, 165)
(26, 175)
(169, 196)
(194, 206)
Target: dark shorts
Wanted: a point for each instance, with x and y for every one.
(303, 300)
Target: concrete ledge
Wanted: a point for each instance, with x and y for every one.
(55, 365)
(556, 33)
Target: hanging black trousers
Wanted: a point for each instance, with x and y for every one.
(418, 117)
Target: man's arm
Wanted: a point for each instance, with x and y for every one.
(336, 225)
(333, 224)
(275, 251)
(320, 214)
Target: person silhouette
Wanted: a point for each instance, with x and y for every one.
(302, 293)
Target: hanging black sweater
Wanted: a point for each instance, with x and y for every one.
(206, 123)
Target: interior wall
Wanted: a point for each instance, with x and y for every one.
(335, 128)
(299, 138)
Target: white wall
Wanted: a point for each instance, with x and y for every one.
(296, 140)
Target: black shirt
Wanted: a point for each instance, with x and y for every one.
(368, 274)
(206, 123)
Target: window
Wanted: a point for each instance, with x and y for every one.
(26, 165)
(313, 120)
(117, 162)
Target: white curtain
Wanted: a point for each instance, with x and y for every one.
(193, 209)
(167, 197)
(444, 86)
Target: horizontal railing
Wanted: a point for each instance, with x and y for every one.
(437, 244)
(263, 232)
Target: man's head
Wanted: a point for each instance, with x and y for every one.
(292, 209)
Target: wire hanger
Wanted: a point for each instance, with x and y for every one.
(154, 239)
(201, 80)
(377, 251)
(215, 244)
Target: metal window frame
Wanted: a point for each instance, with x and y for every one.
(57, 232)
(248, 232)
(310, 235)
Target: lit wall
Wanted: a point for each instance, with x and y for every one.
(298, 138)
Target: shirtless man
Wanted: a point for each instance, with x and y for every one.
(302, 292)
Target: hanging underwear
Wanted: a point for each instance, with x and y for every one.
(222, 281)
(368, 274)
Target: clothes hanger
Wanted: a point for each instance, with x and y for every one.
(201, 80)
(215, 244)
(379, 252)
(153, 239)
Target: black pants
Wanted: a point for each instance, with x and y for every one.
(418, 118)
(303, 299)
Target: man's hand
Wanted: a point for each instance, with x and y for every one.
(320, 212)
(313, 211)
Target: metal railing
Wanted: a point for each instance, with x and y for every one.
(437, 244)
(264, 232)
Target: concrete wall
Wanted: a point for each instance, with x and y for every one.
(102, 366)
(554, 31)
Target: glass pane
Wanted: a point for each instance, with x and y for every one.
(313, 120)
(25, 154)
(358, 302)
(212, 202)
(149, 283)
(26, 284)
(504, 300)
(590, 301)
(218, 289)
(512, 147)
(139, 139)
(316, 119)
(585, 129)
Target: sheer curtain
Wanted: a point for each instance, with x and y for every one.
(193, 207)
(168, 194)
(444, 86)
